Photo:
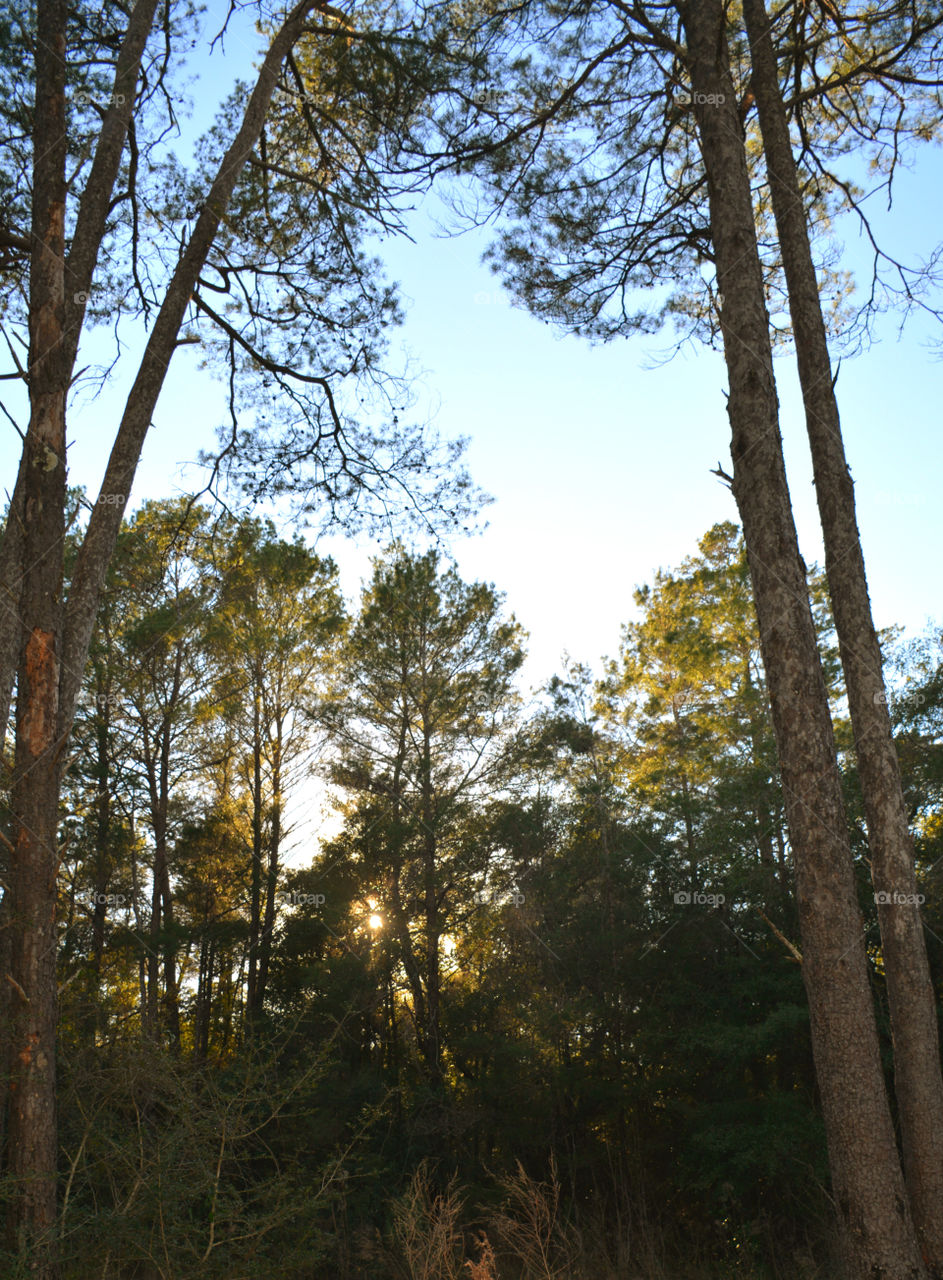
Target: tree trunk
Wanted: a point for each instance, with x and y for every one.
(102, 870)
(98, 545)
(274, 851)
(255, 903)
(867, 1182)
(917, 1077)
(90, 226)
(54, 651)
(32, 1137)
(152, 1009)
(157, 769)
(431, 1047)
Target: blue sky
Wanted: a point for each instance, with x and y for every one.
(600, 466)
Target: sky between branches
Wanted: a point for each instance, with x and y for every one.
(600, 464)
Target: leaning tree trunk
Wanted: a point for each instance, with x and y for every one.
(55, 643)
(91, 222)
(867, 1181)
(917, 1078)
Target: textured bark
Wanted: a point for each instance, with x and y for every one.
(917, 1077)
(95, 205)
(31, 1129)
(54, 648)
(80, 264)
(867, 1181)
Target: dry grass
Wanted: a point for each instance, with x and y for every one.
(427, 1230)
(530, 1228)
(531, 1237)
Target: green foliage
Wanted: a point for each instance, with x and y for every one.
(536, 996)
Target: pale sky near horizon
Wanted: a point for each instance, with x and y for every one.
(600, 466)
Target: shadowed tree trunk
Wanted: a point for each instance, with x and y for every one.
(55, 641)
(867, 1181)
(274, 855)
(31, 1132)
(255, 895)
(917, 1078)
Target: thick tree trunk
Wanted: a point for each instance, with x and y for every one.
(55, 648)
(32, 1139)
(867, 1180)
(917, 1077)
(80, 264)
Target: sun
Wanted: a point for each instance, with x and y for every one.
(375, 922)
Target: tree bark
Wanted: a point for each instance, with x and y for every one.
(54, 651)
(917, 1077)
(32, 1136)
(91, 223)
(868, 1185)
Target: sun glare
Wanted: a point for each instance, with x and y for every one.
(375, 922)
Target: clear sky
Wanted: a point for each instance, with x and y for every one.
(600, 465)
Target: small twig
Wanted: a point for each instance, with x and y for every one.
(793, 950)
(16, 986)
